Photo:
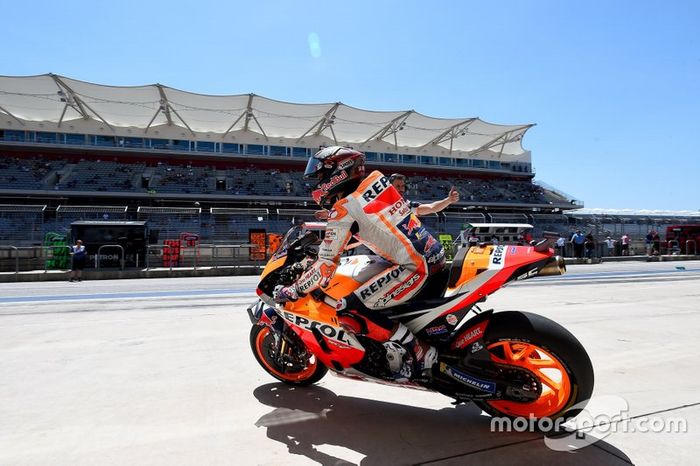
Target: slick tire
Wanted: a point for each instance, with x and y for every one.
(518, 330)
(262, 345)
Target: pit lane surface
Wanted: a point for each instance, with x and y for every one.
(160, 372)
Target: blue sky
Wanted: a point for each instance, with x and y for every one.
(613, 86)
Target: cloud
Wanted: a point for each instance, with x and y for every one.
(314, 45)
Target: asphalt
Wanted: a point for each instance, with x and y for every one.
(159, 371)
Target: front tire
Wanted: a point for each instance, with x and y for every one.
(548, 350)
(299, 372)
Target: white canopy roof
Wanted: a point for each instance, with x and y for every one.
(59, 102)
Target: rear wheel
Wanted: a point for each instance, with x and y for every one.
(292, 363)
(551, 353)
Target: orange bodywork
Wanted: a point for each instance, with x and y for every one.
(477, 259)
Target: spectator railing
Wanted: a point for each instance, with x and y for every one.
(197, 260)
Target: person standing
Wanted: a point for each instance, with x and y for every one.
(625, 244)
(656, 243)
(79, 255)
(648, 242)
(561, 244)
(589, 245)
(610, 245)
(577, 239)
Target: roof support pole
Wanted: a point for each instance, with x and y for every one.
(160, 109)
(450, 133)
(167, 108)
(392, 127)
(249, 111)
(74, 101)
(11, 116)
(505, 138)
(240, 117)
(323, 123)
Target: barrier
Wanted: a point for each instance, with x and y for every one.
(45, 255)
(171, 252)
(99, 250)
(53, 255)
(215, 256)
(16, 249)
(673, 247)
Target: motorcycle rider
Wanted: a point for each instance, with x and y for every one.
(372, 209)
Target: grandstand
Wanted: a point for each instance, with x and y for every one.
(223, 166)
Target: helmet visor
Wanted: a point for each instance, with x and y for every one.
(313, 167)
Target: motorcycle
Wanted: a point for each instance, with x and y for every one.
(510, 363)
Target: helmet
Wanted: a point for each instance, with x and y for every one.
(338, 171)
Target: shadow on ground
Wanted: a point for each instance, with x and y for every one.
(308, 420)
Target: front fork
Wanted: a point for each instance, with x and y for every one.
(262, 314)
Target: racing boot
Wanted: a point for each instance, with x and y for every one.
(419, 361)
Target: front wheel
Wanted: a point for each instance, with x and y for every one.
(291, 362)
(548, 351)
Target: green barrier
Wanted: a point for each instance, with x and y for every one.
(446, 241)
(58, 256)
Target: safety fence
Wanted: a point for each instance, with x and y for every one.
(114, 257)
(37, 225)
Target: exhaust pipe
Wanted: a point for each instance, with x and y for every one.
(554, 266)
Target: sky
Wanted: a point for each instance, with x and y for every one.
(612, 86)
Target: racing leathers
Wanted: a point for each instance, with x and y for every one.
(383, 220)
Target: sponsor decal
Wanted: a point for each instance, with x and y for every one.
(479, 384)
(323, 188)
(327, 272)
(451, 319)
(331, 234)
(380, 197)
(396, 292)
(325, 329)
(437, 257)
(346, 163)
(377, 187)
(470, 335)
(528, 274)
(338, 211)
(380, 282)
(429, 244)
(513, 250)
(399, 208)
(476, 346)
(498, 257)
(308, 280)
(437, 330)
(412, 224)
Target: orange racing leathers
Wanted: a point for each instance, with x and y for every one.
(383, 220)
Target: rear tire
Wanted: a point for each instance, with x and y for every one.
(539, 344)
(262, 344)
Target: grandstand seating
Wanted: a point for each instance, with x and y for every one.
(97, 175)
(110, 176)
(66, 175)
(27, 173)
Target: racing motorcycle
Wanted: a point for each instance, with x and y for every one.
(509, 363)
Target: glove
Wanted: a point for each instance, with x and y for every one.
(282, 294)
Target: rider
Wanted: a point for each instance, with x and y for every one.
(374, 210)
